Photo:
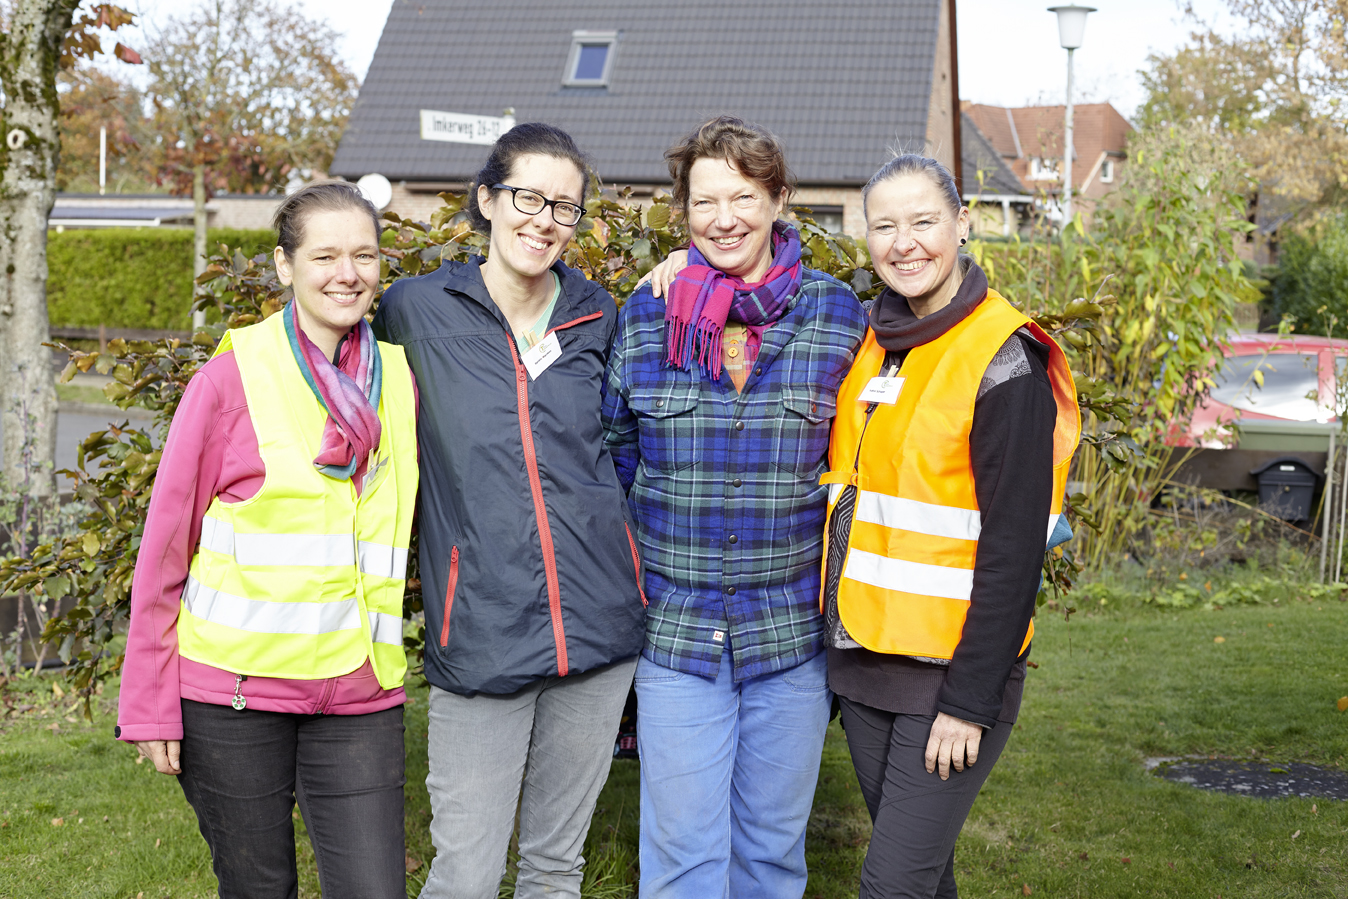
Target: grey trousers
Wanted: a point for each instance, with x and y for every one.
(555, 737)
(916, 815)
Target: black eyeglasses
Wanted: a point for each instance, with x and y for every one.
(531, 202)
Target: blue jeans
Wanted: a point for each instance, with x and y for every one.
(728, 772)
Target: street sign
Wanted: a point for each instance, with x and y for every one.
(458, 128)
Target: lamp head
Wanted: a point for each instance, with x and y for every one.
(1071, 24)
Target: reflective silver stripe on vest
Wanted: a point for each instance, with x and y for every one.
(264, 617)
(909, 577)
(918, 517)
(332, 550)
(383, 560)
(924, 518)
(386, 628)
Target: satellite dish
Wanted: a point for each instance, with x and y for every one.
(376, 189)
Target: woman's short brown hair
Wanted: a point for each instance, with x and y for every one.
(752, 150)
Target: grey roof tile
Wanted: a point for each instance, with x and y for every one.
(839, 81)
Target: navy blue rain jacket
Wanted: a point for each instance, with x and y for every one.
(529, 565)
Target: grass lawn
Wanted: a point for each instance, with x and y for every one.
(1069, 811)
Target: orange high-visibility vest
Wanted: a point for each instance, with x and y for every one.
(908, 571)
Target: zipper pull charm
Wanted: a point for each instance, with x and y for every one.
(238, 702)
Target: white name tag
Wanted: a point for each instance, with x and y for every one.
(542, 354)
(882, 390)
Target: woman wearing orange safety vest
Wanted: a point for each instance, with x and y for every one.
(949, 459)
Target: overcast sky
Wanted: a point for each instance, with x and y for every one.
(1009, 53)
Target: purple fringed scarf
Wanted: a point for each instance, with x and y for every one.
(348, 391)
(702, 299)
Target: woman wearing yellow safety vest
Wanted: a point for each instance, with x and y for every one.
(948, 458)
(264, 662)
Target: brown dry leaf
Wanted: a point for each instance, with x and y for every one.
(412, 863)
(1085, 856)
(56, 688)
(58, 822)
(1025, 889)
(1127, 860)
(156, 843)
(1297, 834)
(53, 727)
(1342, 703)
(1313, 811)
(1218, 639)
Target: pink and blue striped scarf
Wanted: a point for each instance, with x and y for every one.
(347, 391)
(703, 298)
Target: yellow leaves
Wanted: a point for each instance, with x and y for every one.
(1219, 639)
(57, 691)
(1258, 378)
(1342, 704)
(91, 543)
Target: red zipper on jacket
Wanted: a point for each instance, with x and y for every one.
(449, 594)
(584, 318)
(540, 510)
(636, 563)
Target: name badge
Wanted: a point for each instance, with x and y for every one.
(882, 390)
(542, 354)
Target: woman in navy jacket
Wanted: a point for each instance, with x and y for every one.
(532, 583)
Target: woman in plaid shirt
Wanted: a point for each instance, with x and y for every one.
(717, 411)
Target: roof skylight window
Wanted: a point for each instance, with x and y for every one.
(591, 59)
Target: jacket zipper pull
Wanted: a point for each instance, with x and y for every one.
(238, 702)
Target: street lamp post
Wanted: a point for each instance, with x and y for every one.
(1071, 31)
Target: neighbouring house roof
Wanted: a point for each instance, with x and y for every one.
(118, 210)
(1020, 134)
(839, 83)
(986, 173)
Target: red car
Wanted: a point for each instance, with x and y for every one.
(1299, 377)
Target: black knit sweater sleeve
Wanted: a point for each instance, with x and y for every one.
(1011, 446)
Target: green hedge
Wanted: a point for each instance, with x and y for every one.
(130, 277)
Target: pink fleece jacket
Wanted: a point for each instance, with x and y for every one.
(211, 451)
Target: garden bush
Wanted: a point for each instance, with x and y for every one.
(131, 277)
(1311, 282)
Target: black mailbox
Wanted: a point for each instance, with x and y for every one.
(1286, 488)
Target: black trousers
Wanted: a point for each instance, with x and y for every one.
(243, 771)
(916, 815)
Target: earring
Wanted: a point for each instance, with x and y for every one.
(963, 241)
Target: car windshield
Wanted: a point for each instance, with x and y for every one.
(1291, 385)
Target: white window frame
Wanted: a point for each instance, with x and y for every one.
(1044, 169)
(580, 39)
(1107, 171)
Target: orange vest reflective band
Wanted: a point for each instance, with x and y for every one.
(908, 571)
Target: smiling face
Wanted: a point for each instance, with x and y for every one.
(731, 219)
(334, 273)
(914, 238)
(525, 246)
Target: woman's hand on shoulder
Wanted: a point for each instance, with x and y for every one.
(165, 754)
(662, 276)
(953, 743)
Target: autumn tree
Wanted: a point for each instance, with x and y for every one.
(1278, 89)
(245, 92)
(94, 98)
(37, 39)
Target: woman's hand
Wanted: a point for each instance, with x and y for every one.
(662, 276)
(163, 753)
(952, 741)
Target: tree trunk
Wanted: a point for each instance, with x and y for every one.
(198, 236)
(29, 144)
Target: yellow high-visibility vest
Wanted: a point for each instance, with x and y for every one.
(305, 579)
(909, 566)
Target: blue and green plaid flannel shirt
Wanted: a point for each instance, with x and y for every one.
(725, 487)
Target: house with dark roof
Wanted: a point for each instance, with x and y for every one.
(999, 202)
(841, 83)
(1029, 140)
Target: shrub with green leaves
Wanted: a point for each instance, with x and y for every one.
(131, 277)
(1311, 283)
